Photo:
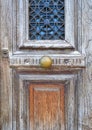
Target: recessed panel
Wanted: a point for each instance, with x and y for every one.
(46, 107)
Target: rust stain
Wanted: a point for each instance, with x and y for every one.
(46, 106)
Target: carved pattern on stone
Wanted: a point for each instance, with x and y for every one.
(57, 61)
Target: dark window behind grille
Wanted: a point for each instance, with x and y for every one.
(46, 20)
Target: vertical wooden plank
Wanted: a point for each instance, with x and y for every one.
(21, 117)
(0, 71)
(23, 106)
(79, 26)
(6, 24)
(70, 104)
(14, 24)
(31, 105)
(69, 21)
(26, 106)
(76, 102)
(15, 101)
(86, 26)
(6, 72)
(62, 106)
(21, 5)
(67, 85)
(6, 96)
(76, 24)
(80, 100)
(85, 78)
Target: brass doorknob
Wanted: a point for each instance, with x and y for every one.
(46, 62)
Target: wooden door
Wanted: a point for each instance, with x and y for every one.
(35, 95)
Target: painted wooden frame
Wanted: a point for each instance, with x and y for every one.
(21, 84)
(20, 19)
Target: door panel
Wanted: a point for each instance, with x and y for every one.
(31, 90)
(47, 107)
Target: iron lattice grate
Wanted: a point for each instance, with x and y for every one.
(46, 20)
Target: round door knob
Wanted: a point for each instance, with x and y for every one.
(46, 62)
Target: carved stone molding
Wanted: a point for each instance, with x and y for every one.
(71, 60)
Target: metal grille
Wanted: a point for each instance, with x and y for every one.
(46, 20)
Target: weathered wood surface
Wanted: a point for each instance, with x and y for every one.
(21, 102)
(21, 21)
(80, 96)
(6, 73)
(47, 107)
(85, 81)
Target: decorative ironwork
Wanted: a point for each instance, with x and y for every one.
(46, 20)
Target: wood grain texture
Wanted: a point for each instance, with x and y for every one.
(14, 104)
(85, 77)
(6, 72)
(6, 96)
(47, 107)
(23, 83)
(0, 77)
